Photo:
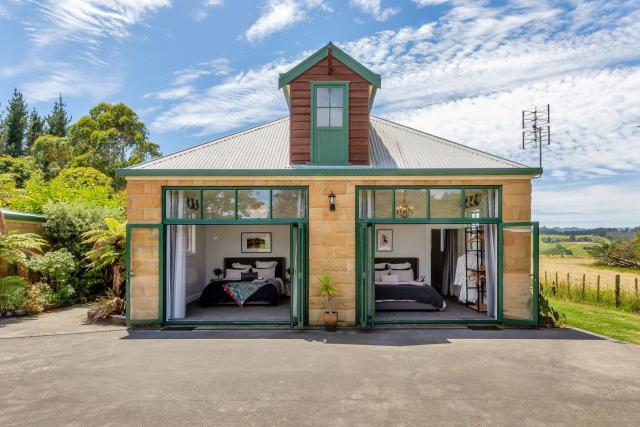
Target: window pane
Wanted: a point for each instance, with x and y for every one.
(219, 203)
(336, 97)
(383, 203)
(253, 203)
(411, 203)
(336, 117)
(481, 203)
(322, 97)
(445, 203)
(322, 117)
(288, 204)
(366, 203)
(183, 204)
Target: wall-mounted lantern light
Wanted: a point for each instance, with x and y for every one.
(332, 201)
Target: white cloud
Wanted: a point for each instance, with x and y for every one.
(89, 21)
(70, 81)
(612, 203)
(423, 3)
(375, 9)
(202, 12)
(216, 67)
(279, 15)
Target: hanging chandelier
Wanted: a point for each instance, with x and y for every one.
(404, 209)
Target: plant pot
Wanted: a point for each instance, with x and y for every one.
(331, 321)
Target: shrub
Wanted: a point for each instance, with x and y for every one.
(12, 293)
(106, 306)
(37, 296)
(55, 267)
(67, 222)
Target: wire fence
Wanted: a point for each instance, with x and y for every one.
(590, 289)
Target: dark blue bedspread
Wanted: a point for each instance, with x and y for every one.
(214, 293)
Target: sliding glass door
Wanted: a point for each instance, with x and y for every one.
(518, 286)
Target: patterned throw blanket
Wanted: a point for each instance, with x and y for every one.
(241, 291)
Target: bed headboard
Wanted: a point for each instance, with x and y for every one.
(415, 264)
(281, 268)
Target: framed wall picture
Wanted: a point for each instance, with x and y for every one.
(385, 240)
(256, 242)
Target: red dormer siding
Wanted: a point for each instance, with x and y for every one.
(300, 109)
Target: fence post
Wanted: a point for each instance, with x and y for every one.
(598, 290)
(568, 286)
(583, 283)
(617, 290)
(636, 290)
(555, 285)
(545, 279)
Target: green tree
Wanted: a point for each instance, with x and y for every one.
(108, 249)
(85, 185)
(14, 125)
(58, 121)
(35, 127)
(111, 137)
(51, 154)
(20, 168)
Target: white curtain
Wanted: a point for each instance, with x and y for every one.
(176, 260)
(491, 258)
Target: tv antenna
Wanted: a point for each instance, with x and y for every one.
(536, 128)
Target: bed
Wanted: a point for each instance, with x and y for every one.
(269, 292)
(413, 295)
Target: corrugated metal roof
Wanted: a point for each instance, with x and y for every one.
(393, 146)
(9, 214)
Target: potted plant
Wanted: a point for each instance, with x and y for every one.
(217, 272)
(328, 290)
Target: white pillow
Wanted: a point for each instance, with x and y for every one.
(402, 266)
(390, 278)
(404, 275)
(266, 264)
(265, 273)
(240, 266)
(232, 274)
(381, 266)
(381, 273)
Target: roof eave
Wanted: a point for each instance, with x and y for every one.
(340, 55)
(532, 171)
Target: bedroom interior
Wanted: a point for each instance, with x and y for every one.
(435, 272)
(228, 273)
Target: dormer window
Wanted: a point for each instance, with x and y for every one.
(329, 107)
(330, 123)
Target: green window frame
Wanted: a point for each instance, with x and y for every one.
(236, 218)
(329, 144)
(361, 214)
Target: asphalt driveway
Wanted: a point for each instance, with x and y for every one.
(111, 376)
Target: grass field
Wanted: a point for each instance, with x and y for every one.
(613, 323)
(576, 267)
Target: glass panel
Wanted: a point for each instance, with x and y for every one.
(336, 97)
(481, 203)
(322, 117)
(322, 97)
(444, 203)
(183, 204)
(411, 203)
(253, 203)
(144, 273)
(383, 203)
(366, 203)
(336, 117)
(219, 203)
(288, 204)
(517, 273)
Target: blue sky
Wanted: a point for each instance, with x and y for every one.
(460, 69)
